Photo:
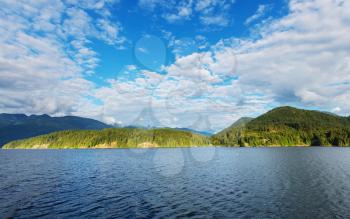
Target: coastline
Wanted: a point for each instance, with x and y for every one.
(173, 147)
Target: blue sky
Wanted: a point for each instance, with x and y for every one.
(199, 64)
(142, 18)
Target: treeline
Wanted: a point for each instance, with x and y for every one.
(113, 138)
(284, 137)
(287, 126)
(283, 126)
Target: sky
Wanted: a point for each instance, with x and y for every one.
(198, 64)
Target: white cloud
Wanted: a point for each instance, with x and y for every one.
(131, 67)
(190, 91)
(204, 4)
(260, 12)
(143, 50)
(208, 12)
(186, 45)
(301, 59)
(45, 53)
(183, 11)
(220, 20)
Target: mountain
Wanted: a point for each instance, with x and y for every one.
(9, 119)
(282, 126)
(113, 138)
(205, 133)
(288, 126)
(241, 122)
(238, 125)
(19, 126)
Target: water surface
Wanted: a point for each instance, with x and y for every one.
(185, 182)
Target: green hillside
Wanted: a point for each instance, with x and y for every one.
(283, 126)
(112, 138)
(288, 126)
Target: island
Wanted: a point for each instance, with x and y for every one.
(112, 138)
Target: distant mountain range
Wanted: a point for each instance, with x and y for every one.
(196, 131)
(205, 133)
(282, 126)
(19, 126)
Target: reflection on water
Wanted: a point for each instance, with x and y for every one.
(184, 182)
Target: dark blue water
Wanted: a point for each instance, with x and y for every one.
(162, 183)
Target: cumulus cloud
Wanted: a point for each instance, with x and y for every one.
(301, 59)
(45, 53)
(183, 11)
(200, 86)
(185, 45)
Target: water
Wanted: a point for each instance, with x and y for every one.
(187, 182)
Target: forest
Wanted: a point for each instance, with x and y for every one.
(288, 126)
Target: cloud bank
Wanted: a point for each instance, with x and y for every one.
(301, 59)
(45, 52)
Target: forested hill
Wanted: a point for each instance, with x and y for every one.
(283, 126)
(19, 126)
(113, 138)
(288, 126)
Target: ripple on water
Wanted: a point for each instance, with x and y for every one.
(185, 182)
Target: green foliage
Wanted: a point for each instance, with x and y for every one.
(287, 126)
(283, 126)
(113, 138)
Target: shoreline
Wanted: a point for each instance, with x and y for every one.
(205, 146)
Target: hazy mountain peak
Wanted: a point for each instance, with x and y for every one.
(18, 126)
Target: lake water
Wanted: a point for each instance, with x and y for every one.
(185, 182)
